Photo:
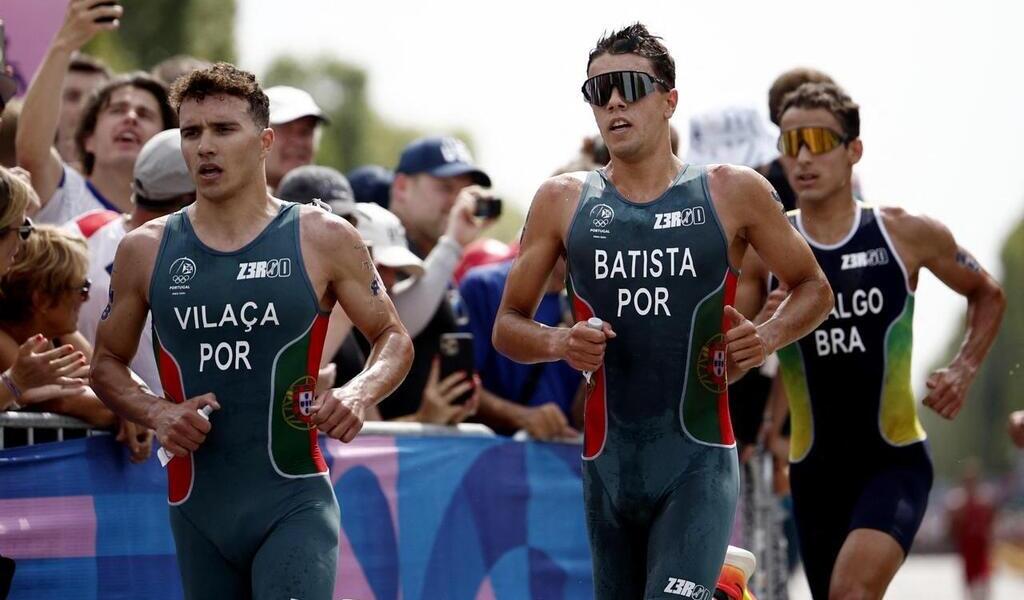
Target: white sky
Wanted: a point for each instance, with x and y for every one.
(940, 84)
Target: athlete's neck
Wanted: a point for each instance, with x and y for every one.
(229, 224)
(646, 179)
(115, 184)
(829, 221)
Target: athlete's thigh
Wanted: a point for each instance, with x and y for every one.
(205, 573)
(895, 499)
(823, 504)
(867, 563)
(690, 533)
(618, 547)
(299, 556)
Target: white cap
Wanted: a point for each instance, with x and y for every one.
(383, 231)
(160, 171)
(290, 103)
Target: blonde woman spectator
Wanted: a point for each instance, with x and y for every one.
(35, 372)
(43, 291)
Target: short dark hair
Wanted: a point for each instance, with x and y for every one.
(223, 78)
(101, 98)
(86, 63)
(830, 97)
(635, 39)
(789, 81)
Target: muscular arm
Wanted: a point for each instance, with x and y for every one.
(37, 125)
(117, 337)
(752, 287)
(516, 334)
(357, 287)
(926, 242)
(748, 206)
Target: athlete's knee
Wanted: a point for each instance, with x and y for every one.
(852, 590)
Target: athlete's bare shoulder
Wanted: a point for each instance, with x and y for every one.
(556, 201)
(331, 246)
(561, 190)
(325, 229)
(734, 183)
(917, 230)
(140, 245)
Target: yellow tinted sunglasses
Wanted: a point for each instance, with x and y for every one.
(818, 140)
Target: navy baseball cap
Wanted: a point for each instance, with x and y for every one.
(371, 183)
(440, 157)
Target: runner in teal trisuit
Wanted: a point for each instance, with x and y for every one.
(240, 303)
(651, 246)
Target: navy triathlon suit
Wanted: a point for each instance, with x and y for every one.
(660, 473)
(252, 510)
(858, 454)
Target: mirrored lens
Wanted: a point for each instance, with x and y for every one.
(818, 140)
(633, 85)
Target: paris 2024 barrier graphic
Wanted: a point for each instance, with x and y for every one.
(422, 517)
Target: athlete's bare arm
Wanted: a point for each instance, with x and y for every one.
(178, 427)
(516, 334)
(752, 217)
(752, 287)
(924, 242)
(341, 269)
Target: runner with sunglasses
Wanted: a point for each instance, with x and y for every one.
(650, 245)
(860, 467)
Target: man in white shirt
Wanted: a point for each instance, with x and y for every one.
(162, 185)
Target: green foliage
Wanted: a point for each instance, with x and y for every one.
(152, 30)
(356, 135)
(980, 429)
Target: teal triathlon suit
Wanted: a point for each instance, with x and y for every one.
(660, 474)
(252, 510)
(858, 454)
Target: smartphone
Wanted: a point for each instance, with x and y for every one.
(105, 3)
(457, 355)
(487, 207)
(3, 49)
(6, 575)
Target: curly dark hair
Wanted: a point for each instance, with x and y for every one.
(635, 39)
(223, 78)
(830, 97)
(101, 99)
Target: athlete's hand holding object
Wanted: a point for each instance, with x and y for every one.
(181, 428)
(745, 347)
(583, 346)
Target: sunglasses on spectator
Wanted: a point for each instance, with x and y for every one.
(818, 140)
(632, 86)
(24, 230)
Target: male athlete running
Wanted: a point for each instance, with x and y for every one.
(650, 245)
(240, 286)
(860, 469)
